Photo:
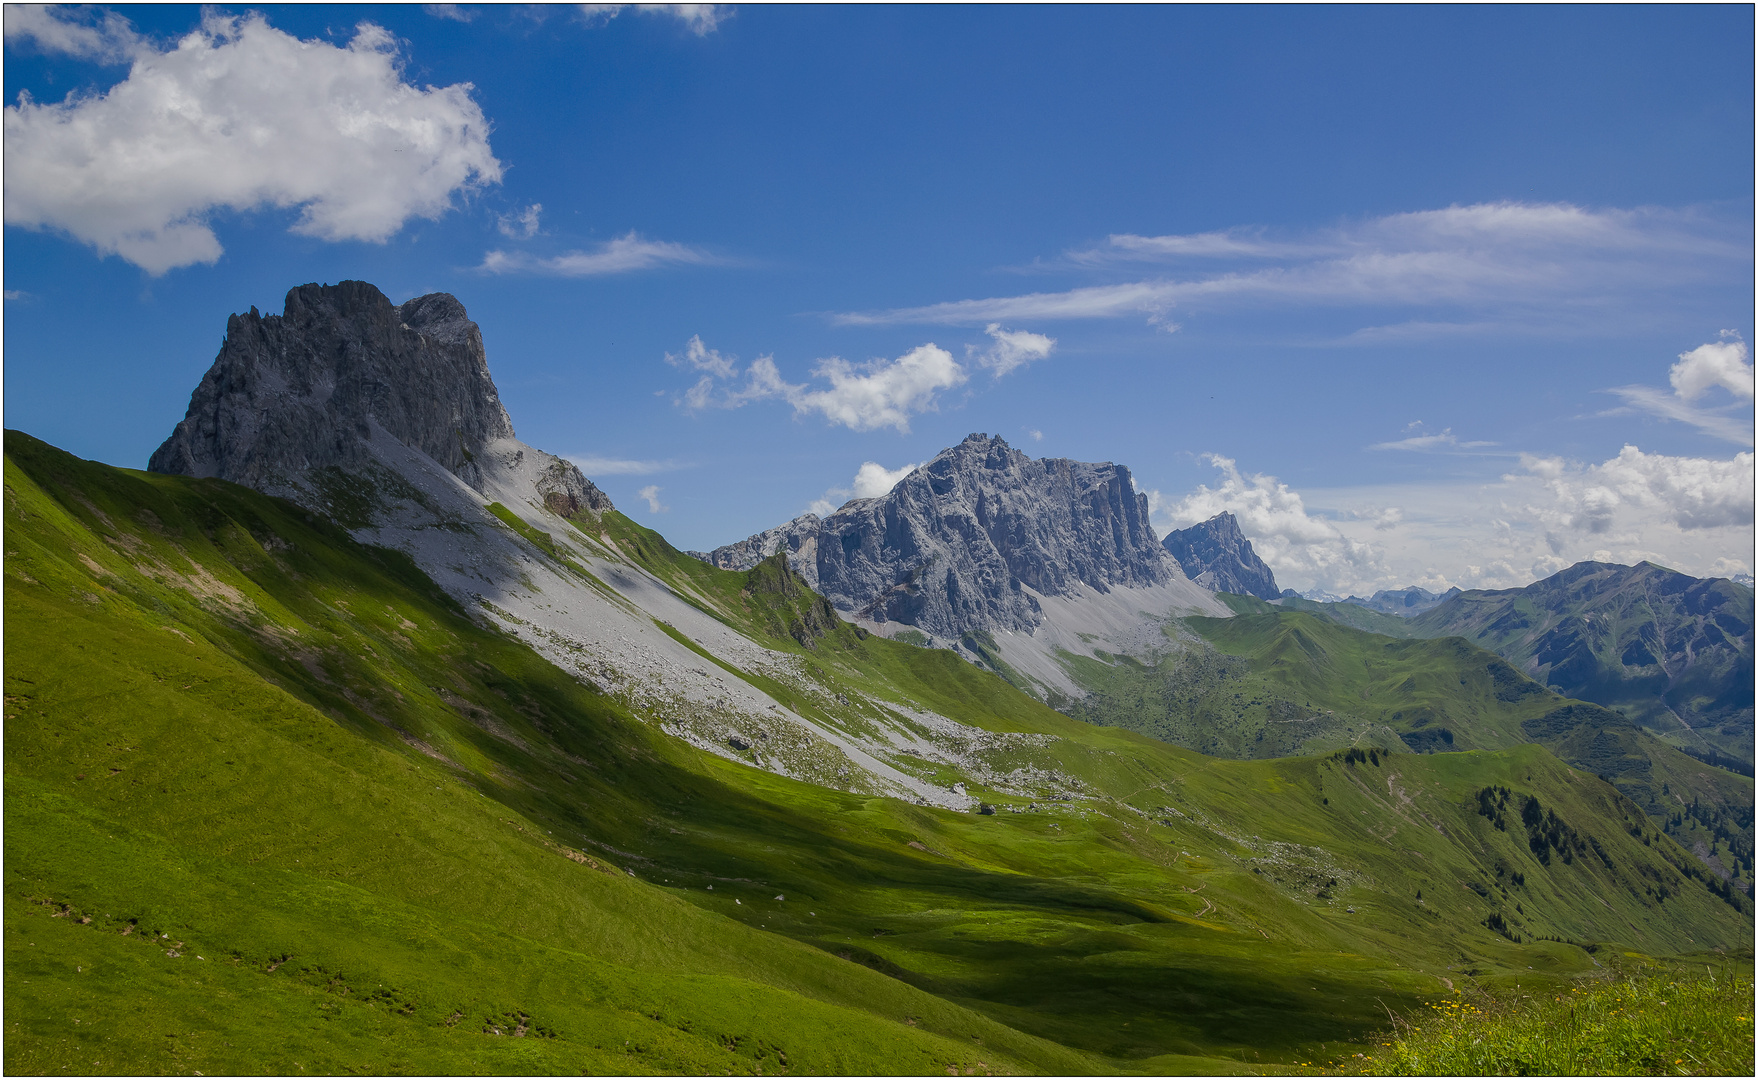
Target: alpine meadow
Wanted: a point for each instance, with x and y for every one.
(751, 709)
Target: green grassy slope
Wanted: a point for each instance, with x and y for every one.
(1374, 622)
(1277, 683)
(377, 836)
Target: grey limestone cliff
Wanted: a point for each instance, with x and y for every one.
(313, 387)
(1218, 557)
(799, 538)
(974, 540)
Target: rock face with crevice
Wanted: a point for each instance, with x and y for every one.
(311, 389)
(974, 540)
(1217, 556)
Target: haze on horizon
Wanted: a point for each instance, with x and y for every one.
(1429, 296)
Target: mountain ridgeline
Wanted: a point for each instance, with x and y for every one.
(973, 540)
(1217, 556)
(1669, 651)
(359, 736)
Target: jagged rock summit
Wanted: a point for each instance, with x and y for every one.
(324, 384)
(1217, 556)
(984, 542)
(384, 419)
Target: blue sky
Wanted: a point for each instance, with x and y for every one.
(1425, 295)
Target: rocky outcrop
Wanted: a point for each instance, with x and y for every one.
(1217, 556)
(973, 540)
(312, 388)
(799, 538)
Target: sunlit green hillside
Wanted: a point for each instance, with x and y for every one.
(276, 804)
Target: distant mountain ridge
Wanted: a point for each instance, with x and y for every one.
(1217, 556)
(1404, 603)
(1672, 652)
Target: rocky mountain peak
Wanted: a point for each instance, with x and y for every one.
(972, 539)
(1218, 557)
(339, 368)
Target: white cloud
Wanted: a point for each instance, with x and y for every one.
(1011, 349)
(88, 34)
(873, 479)
(1512, 267)
(650, 494)
(1692, 514)
(1037, 436)
(622, 255)
(521, 225)
(1718, 364)
(702, 358)
(1225, 243)
(1444, 440)
(1690, 493)
(701, 19)
(239, 115)
(592, 465)
(455, 12)
(879, 393)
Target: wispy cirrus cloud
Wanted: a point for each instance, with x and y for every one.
(1504, 267)
(1421, 440)
(625, 254)
(1715, 369)
(595, 465)
(700, 19)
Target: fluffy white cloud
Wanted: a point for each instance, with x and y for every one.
(650, 494)
(873, 479)
(1691, 493)
(622, 255)
(521, 225)
(701, 19)
(239, 115)
(1504, 266)
(1011, 349)
(879, 393)
(1717, 364)
(1692, 514)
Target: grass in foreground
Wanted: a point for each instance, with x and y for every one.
(1646, 1022)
